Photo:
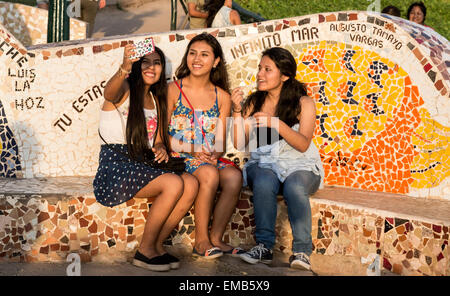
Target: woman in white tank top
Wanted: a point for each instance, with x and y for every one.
(133, 120)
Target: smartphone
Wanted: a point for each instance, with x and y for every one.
(143, 48)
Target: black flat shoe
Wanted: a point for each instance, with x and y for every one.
(158, 263)
(173, 261)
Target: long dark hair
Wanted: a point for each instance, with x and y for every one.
(288, 107)
(421, 6)
(212, 7)
(136, 131)
(219, 74)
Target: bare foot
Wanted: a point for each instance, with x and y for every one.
(203, 246)
(223, 246)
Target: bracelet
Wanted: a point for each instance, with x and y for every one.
(122, 70)
(235, 111)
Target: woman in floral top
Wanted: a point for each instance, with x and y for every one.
(200, 139)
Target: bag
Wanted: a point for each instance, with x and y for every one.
(221, 159)
(175, 164)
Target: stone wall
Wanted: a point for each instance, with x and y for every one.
(381, 86)
(46, 228)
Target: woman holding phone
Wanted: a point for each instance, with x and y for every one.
(133, 120)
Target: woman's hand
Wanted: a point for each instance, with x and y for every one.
(237, 99)
(206, 156)
(127, 62)
(263, 119)
(160, 153)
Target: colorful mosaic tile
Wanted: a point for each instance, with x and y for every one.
(43, 228)
(9, 151)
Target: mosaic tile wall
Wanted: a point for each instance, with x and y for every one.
(29, 24)
(381, 87)
(46, 229)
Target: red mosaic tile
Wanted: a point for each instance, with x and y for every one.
(439, 85)
(437, 228)
(352, 16)
(109, 231)
(43, 216)
(128, 221)
(386, 264)
(44, 250)
(243, 204)
(93, 227)
(427, 67)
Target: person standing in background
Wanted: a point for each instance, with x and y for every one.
(392, 10)
(417, 13)
(197, 14)
(89, 10)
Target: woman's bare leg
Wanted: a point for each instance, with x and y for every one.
(167, 188)
(231, 184)
(183, 205)
(208, 178)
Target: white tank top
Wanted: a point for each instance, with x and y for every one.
(222, 18)
(112, 125)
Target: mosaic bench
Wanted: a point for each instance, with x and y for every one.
(45, 219)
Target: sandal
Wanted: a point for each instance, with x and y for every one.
(234, 252)
(209, 254)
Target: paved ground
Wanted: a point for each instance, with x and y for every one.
(190, 266)
(150, 17)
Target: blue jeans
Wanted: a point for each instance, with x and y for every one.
(296, 190)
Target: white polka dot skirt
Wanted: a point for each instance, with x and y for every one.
(118, 177)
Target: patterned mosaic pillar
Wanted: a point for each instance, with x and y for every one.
(9, 151)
